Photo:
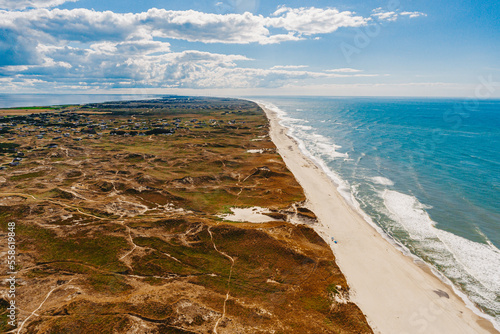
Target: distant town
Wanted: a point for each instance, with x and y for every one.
(48, 129)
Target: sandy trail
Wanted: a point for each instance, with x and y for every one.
(19, 330)
(228, 282)
(395, 294)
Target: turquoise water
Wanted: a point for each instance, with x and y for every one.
(426, 171)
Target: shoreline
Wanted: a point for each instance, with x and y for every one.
(396, 294)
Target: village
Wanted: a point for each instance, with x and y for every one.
(21, 134)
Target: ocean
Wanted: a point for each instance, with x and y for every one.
(425, 172)
(36, 100)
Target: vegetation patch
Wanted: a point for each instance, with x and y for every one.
(108, 284)
(27, 176)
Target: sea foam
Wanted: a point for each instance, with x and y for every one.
(474, 266)
(382, 181)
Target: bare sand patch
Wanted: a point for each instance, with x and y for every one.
(252, 215)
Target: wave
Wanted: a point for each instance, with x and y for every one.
(474, 266)
(328, 148)
(382, 181)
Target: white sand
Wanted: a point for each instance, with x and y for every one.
(395, 294)
(251, 215)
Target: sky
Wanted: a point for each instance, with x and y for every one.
(249, 47)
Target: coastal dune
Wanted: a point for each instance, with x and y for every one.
(396, 294)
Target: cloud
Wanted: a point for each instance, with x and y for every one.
(344, 70)
(106, 65)
(130, 48)
(288, 67)
(196, 26)
(126, 64)
(23, 4)
(310, 21)
(86, 25)
(382, 15)
(413, 14)
(80, 25)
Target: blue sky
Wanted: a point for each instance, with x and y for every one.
(251, 47)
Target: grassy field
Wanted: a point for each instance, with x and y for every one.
(124, 228)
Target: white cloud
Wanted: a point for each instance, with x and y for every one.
(86, 25)
(23, 4)
(131, 47)
(288, 67)
(344, 70)
(205, 27)
(310, 21)
(382, 15)
(413, 14)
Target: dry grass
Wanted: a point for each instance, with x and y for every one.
(127, 219)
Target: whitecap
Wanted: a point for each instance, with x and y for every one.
(482, 261)
(304, 127)
(382, 180)
(410, 214)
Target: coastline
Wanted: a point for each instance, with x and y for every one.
(396, 294)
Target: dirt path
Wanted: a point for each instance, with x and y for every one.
(132, 242)
(228, 281)
(40, 306)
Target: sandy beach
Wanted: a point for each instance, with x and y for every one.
(396, 294)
